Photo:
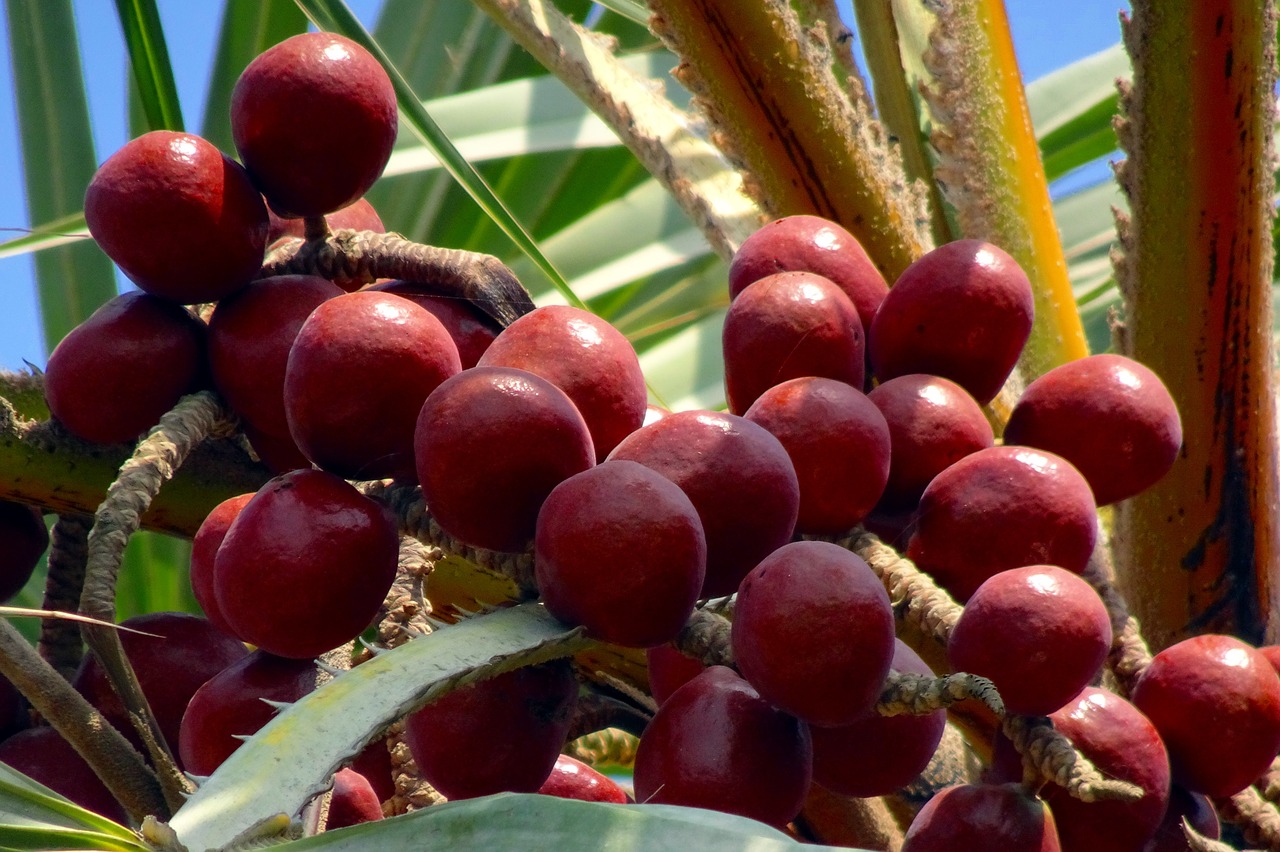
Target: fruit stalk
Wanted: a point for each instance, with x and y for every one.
(60, 640)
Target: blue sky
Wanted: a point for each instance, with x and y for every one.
(1047, 35)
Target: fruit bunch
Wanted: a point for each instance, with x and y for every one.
(406, 394)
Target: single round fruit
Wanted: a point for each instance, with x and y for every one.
(305, 565)
(788, 326)
(573, 779)
(44, 756)
(499, 735)
(813, 632)
(182, 221)
(250, 334)
(491, 443)
(173, 656)
(1199, 814)
(1001, 508)
(1039, 633)
(983, 818)
(23, 540)
(357, 375)
(204, 553)
(585, 357)
(962, 311)
(876, 755)
(1215, 685)
(620, 549)
(933, 423)
(717, 744)
(113, 376)
(669, 670)
(804, 243)
(837, 441)
(471, 329)
(1108, 415)
(314, 119)
(353, 800)
(738, 477)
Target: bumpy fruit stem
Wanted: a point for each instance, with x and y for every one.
(706, 637)
(345, 256)
(907, 693)
(60, 641)
(1048, 755)
(194, 418)
(1257, 818)
(1129, 654)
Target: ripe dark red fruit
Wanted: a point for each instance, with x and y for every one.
(962, 311)
(204, 552)
(933, 423)
(813, 632)
(250, 334)
(314, 120)
(305, 565)
(1001, 508)
(491, 443)
(231, 705)
(717, 744)
(1108, 415)
(1199, 814)
(181, 220)
(983, 818)
(573, 779)
(181, 653)
(113, 376)
(620, 549)
(471, 329)
(1216, 703)
(738, 477)
(499, 735)
(787, 326)
(23, 540)
(585, 357)
(44, 756)
(804, 243)
(669, 670)
(353, 800)
(837, 441)
(357, 375)
(358, 216)
(1039, 633)
(876, 755)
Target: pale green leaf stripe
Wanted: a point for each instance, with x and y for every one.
(533, 823)
(25, 803)
(629, 9)
(292, 758)
(1071, 109)
(149, 59)
(335, 16)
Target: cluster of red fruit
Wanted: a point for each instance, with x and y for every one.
(850, 403)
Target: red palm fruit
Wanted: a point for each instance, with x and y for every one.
(181, 653)
(1039, 633)
(499, 735)
(44, 756)
(876, 755)
(115, 374)
(620, 549)
(231, 705)
(585, 357)
(573, 779)
(1124, 745)
(1219, 685)
(204, 552)
(314, 119)
(491, 443)
(813, 632)
(183, 221)
(305, 565)
(669, 670)
(983, 818)
(13, 710)
(250, 334)
(804, 243)
(1199, 814)
(962, 311)
(786, 326)
(353, 800)
(374, 763)
(358, 216)
(933, 423)
(838, 442)
(1272, 653)
(357, 375)
(739, 478)
(1109, 416)
(1001, 508)
(23, 540)
(471, 329)
(717, 744)
(280, 454)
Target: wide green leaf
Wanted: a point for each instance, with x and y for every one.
(34, 817)
(1072, 109)
(149, 59)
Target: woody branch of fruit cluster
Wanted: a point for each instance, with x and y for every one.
(410, 410)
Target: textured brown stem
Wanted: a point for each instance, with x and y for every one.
(907, 693)
(705, 636)
(1047, 755)
(60, 640)
(1129, 655)
(349, 257)
(1257, 818)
